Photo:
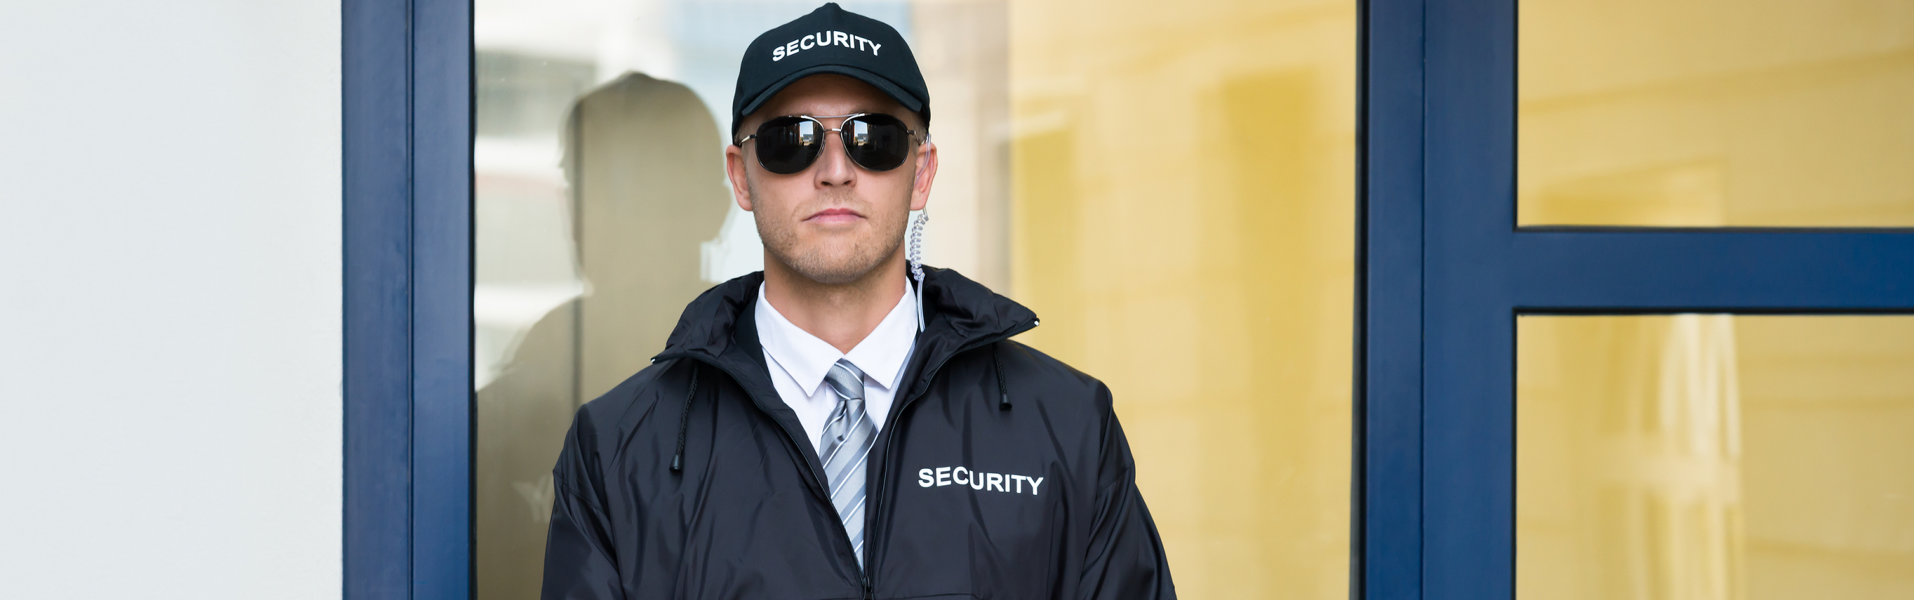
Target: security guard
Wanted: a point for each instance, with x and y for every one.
(848, 423)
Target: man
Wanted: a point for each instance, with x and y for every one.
(830, 428)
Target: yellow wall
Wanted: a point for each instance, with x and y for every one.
(1714, 457)
(1716, 112)
(1182, 220)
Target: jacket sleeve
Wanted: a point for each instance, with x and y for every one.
(580, 559)
(1124, 555)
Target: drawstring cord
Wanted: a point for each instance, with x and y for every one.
(680, 446)
(1006, 403)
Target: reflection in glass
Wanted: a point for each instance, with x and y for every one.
(636, 156)
(1715, 113)
(1714, 456)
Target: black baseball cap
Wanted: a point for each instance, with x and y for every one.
(828, 40)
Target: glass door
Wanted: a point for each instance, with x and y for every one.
(1168, 185)
(1594, 388)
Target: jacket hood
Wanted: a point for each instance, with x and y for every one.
(959, 313)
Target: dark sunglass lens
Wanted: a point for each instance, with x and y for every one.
(876, 142)
(786, 145)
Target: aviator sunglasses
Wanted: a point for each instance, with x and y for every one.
(789, 144)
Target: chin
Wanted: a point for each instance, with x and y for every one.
(833, 268)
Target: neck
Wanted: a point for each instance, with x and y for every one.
(843, 314)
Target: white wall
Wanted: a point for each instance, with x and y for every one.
(170, 299)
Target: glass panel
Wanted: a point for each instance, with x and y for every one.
(1714, 456)
(1178, 210)
(1715, 113)
(1183, 224)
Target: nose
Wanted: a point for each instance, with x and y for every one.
(833, 168)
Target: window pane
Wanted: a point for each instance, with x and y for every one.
(1183, 224)
(1714, 456)
(1177, 208)
(1715, 113)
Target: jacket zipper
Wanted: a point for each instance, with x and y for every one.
(886, 440)
(815, 476)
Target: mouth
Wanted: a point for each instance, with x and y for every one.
(835, 215)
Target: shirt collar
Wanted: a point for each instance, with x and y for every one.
(882, 356)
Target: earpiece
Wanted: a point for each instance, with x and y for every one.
(919, 275)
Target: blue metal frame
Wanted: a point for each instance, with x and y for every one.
(1387, 373)
(1467, 396)
(407, 219)
(1712, 270)
(1444, 271)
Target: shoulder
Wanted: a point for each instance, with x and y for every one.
(1076, 410)
(603, 428)
(633, 402)
(1034, 376)
(1074, 402)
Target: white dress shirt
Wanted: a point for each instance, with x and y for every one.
(798, 362)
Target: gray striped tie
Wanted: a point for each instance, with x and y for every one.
(843, 451)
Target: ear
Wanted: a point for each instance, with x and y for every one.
(926, 163)
(737, 173)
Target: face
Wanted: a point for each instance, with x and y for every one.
(833, 223)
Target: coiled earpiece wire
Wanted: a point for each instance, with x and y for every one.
(919, 275)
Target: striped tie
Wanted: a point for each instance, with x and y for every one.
(843, 451)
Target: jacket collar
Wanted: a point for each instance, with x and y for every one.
(719, 326)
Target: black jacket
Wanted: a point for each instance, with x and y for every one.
(999, 473)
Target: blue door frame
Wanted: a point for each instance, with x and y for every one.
(1444, 271)
(407, 222)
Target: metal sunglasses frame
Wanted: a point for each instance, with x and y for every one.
(844, 145)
